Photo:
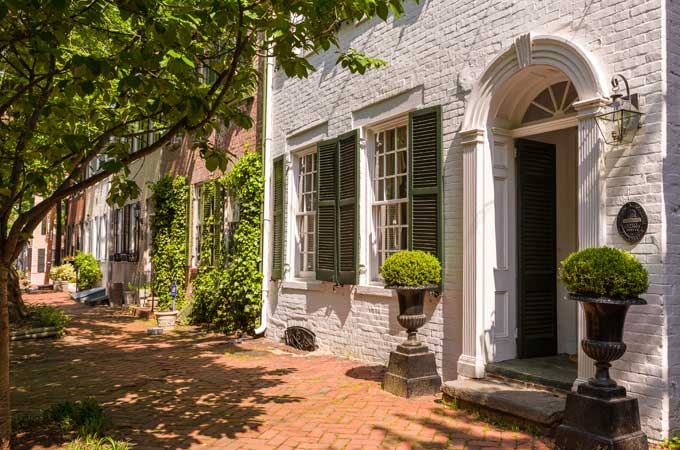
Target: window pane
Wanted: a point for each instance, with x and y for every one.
(390, 164)
(402, 186)
(401, 137)
(401, 162)
(306, 214)
(389, 140)
(390, 183)
(309, 202)
(390, 189)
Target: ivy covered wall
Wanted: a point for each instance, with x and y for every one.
(169, 239)
(227, 295)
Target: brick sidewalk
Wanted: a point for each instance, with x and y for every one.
(191, 390)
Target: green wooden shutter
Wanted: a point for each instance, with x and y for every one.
(348, 214)
(218, 225)
(277, 226)
(537, 249)
(425, 192)
(326, 214)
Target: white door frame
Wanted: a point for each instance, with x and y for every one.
(477, 139)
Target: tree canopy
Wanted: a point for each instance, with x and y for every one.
(80, 78)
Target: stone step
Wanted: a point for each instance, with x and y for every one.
(513, 403)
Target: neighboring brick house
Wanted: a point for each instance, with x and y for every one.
(36, 259)
(428, 150)
(120, 237)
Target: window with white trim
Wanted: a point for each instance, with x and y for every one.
(305, 214)
(390, 193)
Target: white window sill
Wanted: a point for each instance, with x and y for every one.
(302, 285)
(374, 291)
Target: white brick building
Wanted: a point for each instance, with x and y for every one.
(499, 71)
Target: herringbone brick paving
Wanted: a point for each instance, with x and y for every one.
(187, 390)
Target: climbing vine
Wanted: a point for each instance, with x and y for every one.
(229, 297)
(169, 239)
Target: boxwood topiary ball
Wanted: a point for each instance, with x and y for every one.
(604, 272)
(411, 268)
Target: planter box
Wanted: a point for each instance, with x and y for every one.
(166, 319)
(64, 286)
(130, 297)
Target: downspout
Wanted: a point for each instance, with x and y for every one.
(265, 247)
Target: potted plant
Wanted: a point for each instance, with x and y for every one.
(89, 272)
(129, 294)
(64, 278)
(166, 319)
(606, 282)
(411, 273)
(412, 369)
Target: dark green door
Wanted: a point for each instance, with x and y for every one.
(536, 276)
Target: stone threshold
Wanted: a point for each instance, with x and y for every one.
(515, 404)
(555, 373)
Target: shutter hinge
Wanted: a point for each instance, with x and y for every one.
(514, 151)
(516, 333)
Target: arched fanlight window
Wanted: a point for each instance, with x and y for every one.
(553, 102)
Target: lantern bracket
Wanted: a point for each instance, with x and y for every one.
(634, 99)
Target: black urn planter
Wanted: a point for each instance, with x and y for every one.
(605, 319)
(412, 370)
(411, 316)
(600, 415)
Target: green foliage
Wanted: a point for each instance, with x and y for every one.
(65, 272)
(229, 298)
(411, 268)
(169, 238)
(97, 443)
(672, 443)
(80, 79)
(50, 317)
(84, 418)
(89, 272)
(604, 272)
(359, 63)
(211, 251)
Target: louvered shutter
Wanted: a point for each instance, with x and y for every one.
(348, 214)
(206, 249)
(277, 225)
(425, 195)
(41, 260)
(326, 215)
(537, 248)
(218, 223)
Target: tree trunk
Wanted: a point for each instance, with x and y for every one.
(57, 237)
(17, 308)
(5, 417)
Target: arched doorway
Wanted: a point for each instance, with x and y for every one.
(532, 110)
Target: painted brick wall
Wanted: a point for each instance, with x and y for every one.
(671, 177)
(444, 46)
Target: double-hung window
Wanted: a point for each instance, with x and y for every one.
(404, 207)
(305, 215)
(390, 192)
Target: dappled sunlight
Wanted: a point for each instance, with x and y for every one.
(189, 389)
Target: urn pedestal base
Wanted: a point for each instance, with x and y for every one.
(412, 372)
(604, 419)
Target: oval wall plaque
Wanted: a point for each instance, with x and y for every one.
(631, 222)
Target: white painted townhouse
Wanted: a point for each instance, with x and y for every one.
(479, 142)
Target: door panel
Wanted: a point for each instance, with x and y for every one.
(503, 322)
(537, 258)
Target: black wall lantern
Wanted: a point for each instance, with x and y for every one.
(621, 120)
